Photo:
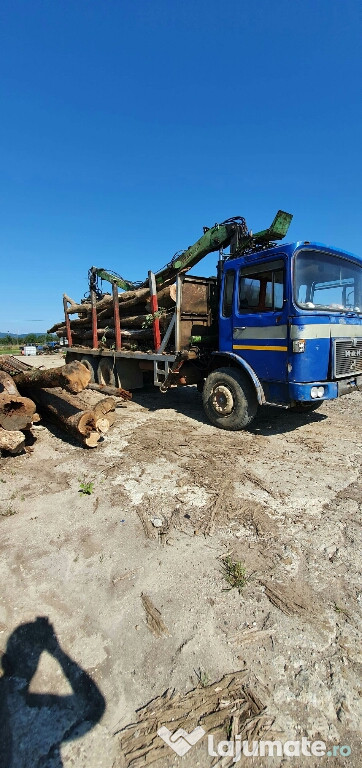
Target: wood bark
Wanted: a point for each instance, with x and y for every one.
(128, 333)
(16, 413)
(73, 377)
(115, 391)
(7, 384)
(66, 410)
(126, 299)
(166, 298)
(11, 441)
(21, 414)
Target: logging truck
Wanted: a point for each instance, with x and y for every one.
(280, 323)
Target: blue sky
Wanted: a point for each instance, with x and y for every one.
(127, 126)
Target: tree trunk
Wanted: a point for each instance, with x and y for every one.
(73, 377)
(16, 413)
(126, 299)
(56, 327)
(128, 333)
(66, 410)
(166, 298)
(11, 441)
(7, 384)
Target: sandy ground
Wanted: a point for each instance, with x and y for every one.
(282, 498)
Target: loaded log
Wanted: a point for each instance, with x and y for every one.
(130, 304)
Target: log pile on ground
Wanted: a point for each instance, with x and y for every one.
(135, 318)
(56, 393)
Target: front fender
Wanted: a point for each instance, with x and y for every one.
(248, 369)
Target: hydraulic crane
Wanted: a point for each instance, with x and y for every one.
(232, 232)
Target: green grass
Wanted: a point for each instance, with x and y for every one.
(234, 573)
(86, 488)
(202, 676)
(10, 350)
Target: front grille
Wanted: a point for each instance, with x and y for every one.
(347, 357)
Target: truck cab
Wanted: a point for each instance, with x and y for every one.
(290, 331)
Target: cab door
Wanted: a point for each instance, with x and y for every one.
(260, 319)
(227, 300)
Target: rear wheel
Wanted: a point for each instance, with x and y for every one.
(106, 374)
(89, 363)
(229, 399)
(305, 407)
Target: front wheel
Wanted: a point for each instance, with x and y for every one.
(305, 407)
(229, 399)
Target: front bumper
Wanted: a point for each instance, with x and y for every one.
(349, 385)
(301, 393)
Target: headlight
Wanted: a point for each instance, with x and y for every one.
(317, 392)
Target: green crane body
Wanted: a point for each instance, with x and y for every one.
(232, 231)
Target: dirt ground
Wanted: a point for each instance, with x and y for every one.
(130, 577)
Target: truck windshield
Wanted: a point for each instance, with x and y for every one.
(325, 281)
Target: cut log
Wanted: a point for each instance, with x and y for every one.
(128, 298)
(92, 440)
(7, 384)
(104, 406)
(67, 411)
(8, 387)
(12, 441)
(115, 391)
(135, 321)
(16, 413)
(103, 425)
(104, 413)
(111, 417)
(73, 377)
(86, 307)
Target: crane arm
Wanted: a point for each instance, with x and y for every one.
(232, 232)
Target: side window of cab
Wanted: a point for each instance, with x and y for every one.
(227, 299)
(261, 288)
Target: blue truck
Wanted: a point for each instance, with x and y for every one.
(281, 324)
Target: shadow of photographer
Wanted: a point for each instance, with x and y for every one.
(34, 725)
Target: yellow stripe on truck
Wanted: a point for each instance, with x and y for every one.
(260, 348)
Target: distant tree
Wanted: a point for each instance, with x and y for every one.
(31, 338)
(7, 341)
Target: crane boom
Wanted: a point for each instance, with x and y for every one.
(232, 232)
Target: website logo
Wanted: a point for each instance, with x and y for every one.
(181, 741)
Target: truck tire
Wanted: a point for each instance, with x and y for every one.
(106, 375)
(305, 407)
(229, 399)
(89, 363)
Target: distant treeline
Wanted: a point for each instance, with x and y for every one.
(30, 338)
